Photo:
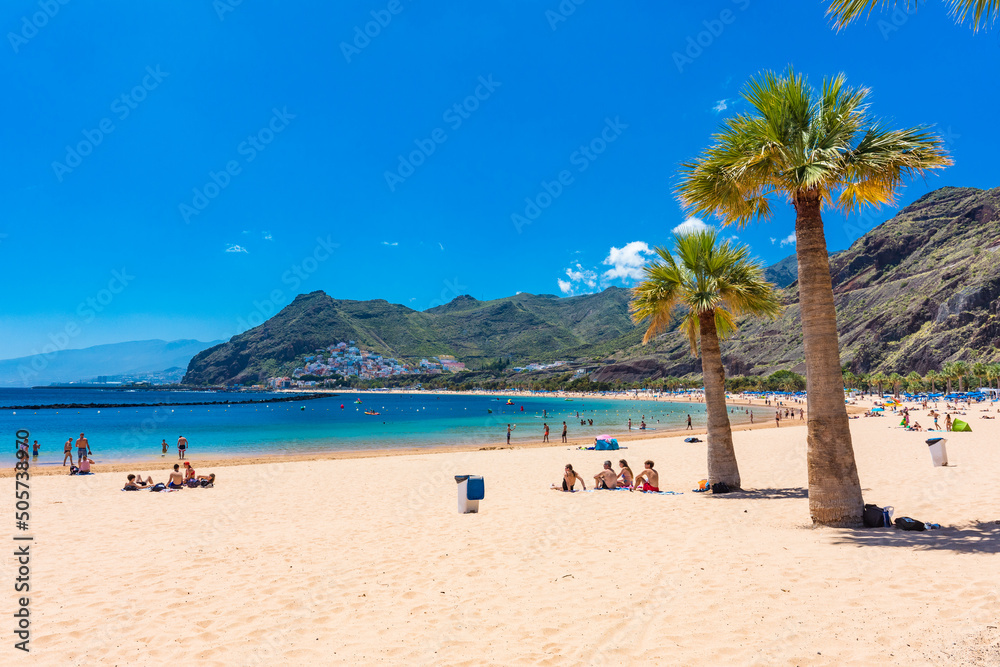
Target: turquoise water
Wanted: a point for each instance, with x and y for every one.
(406, 420)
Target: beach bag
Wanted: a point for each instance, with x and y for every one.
(205, 484)
(193, 483)
(159, 487)
(73, 470)
(720, 487)
(877, 517)
(906, 523)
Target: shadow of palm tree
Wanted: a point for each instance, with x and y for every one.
(982, 537)
(765, 494)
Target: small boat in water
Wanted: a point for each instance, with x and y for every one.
(371, 412)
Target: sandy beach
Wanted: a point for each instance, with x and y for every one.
(366, 559)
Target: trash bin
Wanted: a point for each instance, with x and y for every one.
(471, 489)
(939, 455)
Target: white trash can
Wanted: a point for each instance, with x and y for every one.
(471, 489)
(939, 455)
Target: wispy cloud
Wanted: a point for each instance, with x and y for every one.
(441, 245)
(266, 236)
(565, 286)
(773, 240)
(788, 240)
(626, 263)
(692, 224)
(232, 247)
(720, 106)
(393, 244)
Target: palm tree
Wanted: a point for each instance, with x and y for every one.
(914, 383)
(932, 377)
(961, 372)
(715, 283)
(979, 372)
(980, 12)
(849, 379)
(811, 146)
(878, 379)
(896, 380)
(993, 374)
(949, 373)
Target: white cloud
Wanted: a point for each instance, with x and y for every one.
(582, 275)
(266, 236)
(720, 106)
(626, 263)
(692, 224)
(393, 244)
(441, 245)
(773, 240)
(788, 240)
(565, 286)
(232, 247)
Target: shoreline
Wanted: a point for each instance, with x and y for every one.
(165, 464)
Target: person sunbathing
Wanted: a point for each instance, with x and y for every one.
(137, 482)
(649, 477)
(606, 479)
(210, 478)
(570, 479)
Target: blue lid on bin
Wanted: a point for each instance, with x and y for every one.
(476, 489)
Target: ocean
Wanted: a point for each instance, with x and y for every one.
(329, 424)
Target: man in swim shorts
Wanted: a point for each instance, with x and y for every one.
(606, 479)
(649, 477)
(545, 436)
(564, 432)
(176, 478)
(82, 448)
(182, 445)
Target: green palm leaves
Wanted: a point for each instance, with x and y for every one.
(977, 12)
(702, 276)
(799, 140)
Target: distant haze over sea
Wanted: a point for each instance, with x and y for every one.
(134, 358)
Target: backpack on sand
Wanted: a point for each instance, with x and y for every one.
(906, 523)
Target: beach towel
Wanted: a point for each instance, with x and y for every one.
(692, 439)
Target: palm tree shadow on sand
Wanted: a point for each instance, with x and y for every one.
(981, 537)
(764, 494)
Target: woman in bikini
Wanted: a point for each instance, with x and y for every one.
(570, 479)
(625, 475)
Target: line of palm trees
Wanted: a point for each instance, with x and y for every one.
(955, 374)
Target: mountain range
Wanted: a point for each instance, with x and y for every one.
(915, 292)
(133, 358)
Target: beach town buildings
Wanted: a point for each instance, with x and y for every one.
(345, 359)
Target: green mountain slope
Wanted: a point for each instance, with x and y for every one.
(915, 292)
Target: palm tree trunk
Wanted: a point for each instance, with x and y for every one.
(834, 488)
(722, 466)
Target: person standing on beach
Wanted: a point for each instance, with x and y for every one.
(545, 437)
(165, 447)
(34, 450)
(751, 416)
(182, 445)
(564, 432)
(68, 452)
(82, 448)
(630, 423)
(509, 429)
(689, 427)
(777, 419)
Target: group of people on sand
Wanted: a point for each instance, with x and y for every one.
(177, 480)
(648, 480)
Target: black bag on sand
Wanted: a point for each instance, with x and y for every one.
(720, 487)
(906, 523)
(874, 517)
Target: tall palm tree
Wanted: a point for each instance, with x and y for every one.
(978, 12)
(979, 372)
(715, 283)
(932, 378)
(878, 378)
(993, 374)
(895, 380)
(849, 379)
(949, 373)
(914, 383)
(961, 372)
(815, 148)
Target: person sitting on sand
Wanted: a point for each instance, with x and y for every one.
(625, 475)
(137, 482)
(649, 477)
(606, 479)
(84, 465)
(570, 478)
(188, 471)
(176, 478)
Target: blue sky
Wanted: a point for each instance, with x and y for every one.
(182, 171)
